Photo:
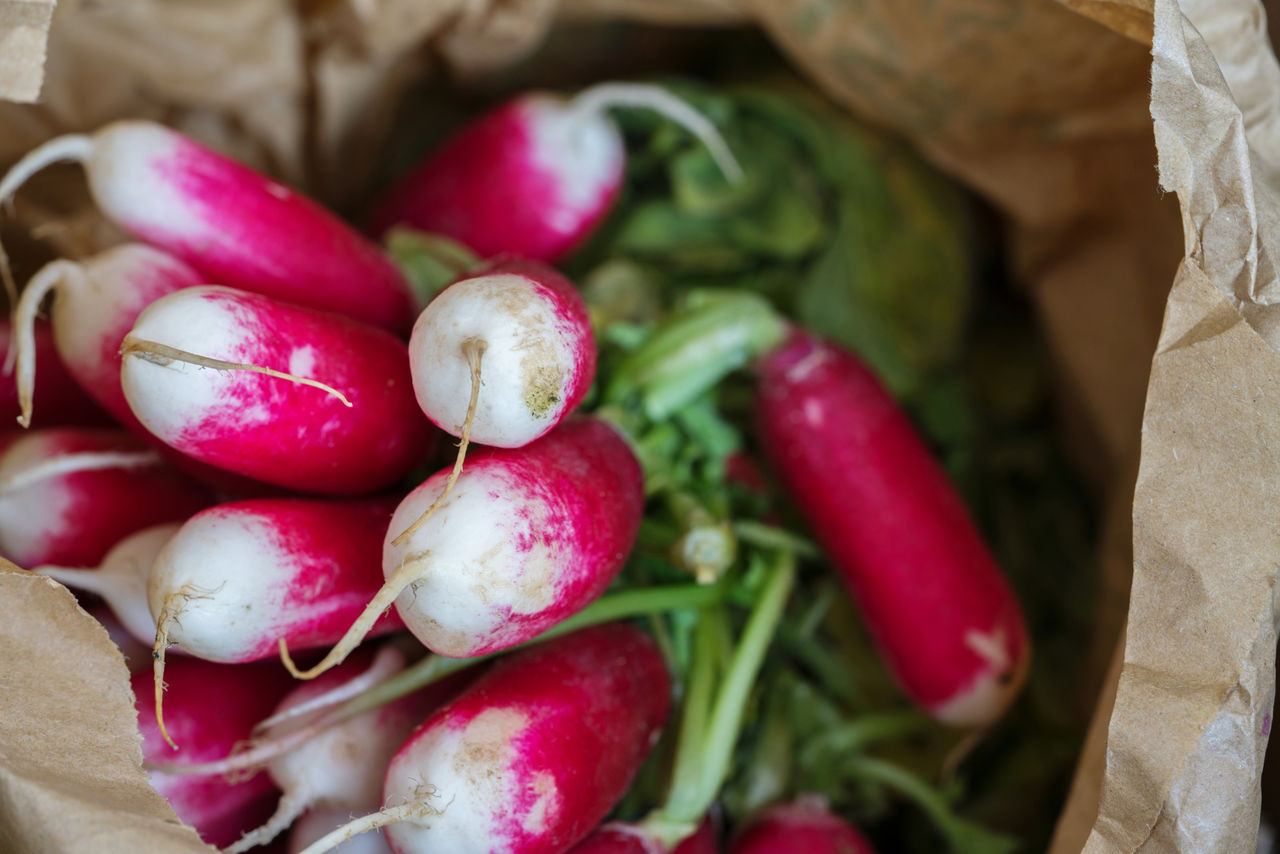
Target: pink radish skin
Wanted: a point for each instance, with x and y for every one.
(241, 575)
(264, 427)
(235, 226)
(527, 537)
(67, 495)
(315, 824)
(95, 305)
(214, 709)
(619, 838)
(935, 602)
(538, 361)
(63, 403)
(803, 827)
(121, 579)
(342, 766)
(533, 755)
(535, 176)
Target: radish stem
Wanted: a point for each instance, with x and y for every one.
(75, 147)
(694, 790)
(163, 354)
(24, 319)
(382, 600)
(291, 805)
(415, 812)
(473, 349)
(72, 463)
(602, 97)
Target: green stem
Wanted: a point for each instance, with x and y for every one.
(615, 606)
(854, 736)
(688, 802)
(775, 539)
(929, 799)
(699, 689)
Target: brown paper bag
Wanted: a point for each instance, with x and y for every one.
(1047, 110)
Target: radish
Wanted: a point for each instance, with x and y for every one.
(617, 838)
(235, 226)
(315, 824)
(297, 398)
(121, 579)
(532, 755)
(934, 600)
(95, 305)
(216, 710)
(529, 325)
(63, 402)
(528, 537)
(238, 576)
(806, 826)
(67, 495)
(535, 176)
(340, 766)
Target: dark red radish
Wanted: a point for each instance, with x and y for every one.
(518, 329)
(63, 402)
(316, 824)
(236, 226)
(237, 577)
(619, 838)
(287, 395)
(67, 495)
(806, 826)
(215, 708)
(532, 755)
(121, 579)
(95, 305)
(527, 537)
(535, 176)
(936, 603)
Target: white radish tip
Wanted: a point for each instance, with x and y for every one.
(72, 463)
(605, 95)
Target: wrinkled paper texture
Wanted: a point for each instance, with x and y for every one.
(1045, 109)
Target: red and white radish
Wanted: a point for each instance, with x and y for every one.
(121, 579)
(63, 402)
(236, 226)
(67, 495)
(238, 577)
(95, 305)
(618, 838)
(215, 709)
(530, 325)
(535, 176)
(806, 826)
(520, 330)
(532, 755)
(527, 537)
(291, 396)
(938, 607)
(341, 766)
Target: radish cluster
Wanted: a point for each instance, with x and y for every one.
(264, 496)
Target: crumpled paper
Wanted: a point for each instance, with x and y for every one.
(1164, 356)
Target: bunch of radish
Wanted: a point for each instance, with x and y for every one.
(255, 342)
